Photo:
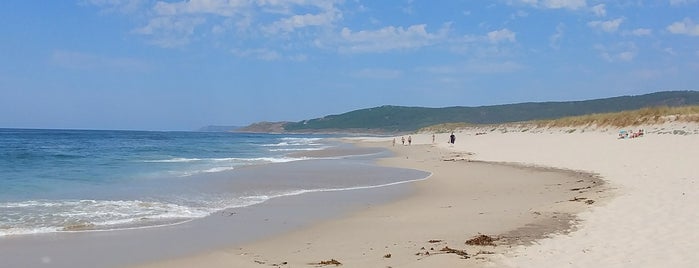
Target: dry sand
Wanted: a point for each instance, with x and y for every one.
(645, 214)
(652, 222)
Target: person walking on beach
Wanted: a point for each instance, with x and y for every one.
(394, 142)
(452, 138)
(432, 138)
(402, 140)
(410, 140)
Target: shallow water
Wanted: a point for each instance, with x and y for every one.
(77, 180)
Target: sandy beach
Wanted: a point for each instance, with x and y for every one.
(549, 209)
(548, 197)
(653, 219)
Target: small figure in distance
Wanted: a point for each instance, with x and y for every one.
(394, 142)
(410, 140)
(452, 138)
(402, 140)
(432, 138)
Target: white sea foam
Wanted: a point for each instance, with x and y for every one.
(46, 216)
(259, 159)
(39, 216)
(233, 162)
(239, 160)
(289, 141)
(299, 149)
(218, 169)
(300, 140)
(174, 160)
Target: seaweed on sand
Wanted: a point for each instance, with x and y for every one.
(481, 240)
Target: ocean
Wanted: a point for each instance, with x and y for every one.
(95, 180)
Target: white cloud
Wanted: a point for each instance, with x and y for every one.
(298, 57)
(408, 8)
(170, 31)
(377, 73)
(530, 2)
(224, 8)
(177, 23)
(555, 39)
(289, 24)
(492, 44)
(501, 35)
(625, 51)
(519, 14)
(389, 38)
(258, 53)
(474, 67)
(609, 26)
(121, 6)
(556, 4)
(685, 27)
(641, 32)
(600, 10)
(681, 2)
(569, 4)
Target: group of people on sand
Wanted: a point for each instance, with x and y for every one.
(402, 140)
(452, 139)
(623, 134)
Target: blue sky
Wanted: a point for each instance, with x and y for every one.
(179, 65)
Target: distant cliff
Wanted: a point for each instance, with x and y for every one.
(264, 127)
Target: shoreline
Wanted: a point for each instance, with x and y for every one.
(517, 204)
(504, 183)
(233, 226)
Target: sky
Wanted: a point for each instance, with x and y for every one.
(181, 65)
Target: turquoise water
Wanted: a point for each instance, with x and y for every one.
(77, 180)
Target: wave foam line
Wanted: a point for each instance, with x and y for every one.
(174, 160)
(183, 218)
(300, 192)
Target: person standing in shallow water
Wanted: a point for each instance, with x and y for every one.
(452, 138)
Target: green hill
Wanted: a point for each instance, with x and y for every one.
(400, 119)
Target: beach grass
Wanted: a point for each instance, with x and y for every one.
(645, 116)
(445, 127)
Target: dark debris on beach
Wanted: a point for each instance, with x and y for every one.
(330, 262)
(482, 240)
(461, 253)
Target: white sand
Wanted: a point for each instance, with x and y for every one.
(650, 218)
(652, 222)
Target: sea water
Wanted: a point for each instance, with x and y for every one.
(85, 180)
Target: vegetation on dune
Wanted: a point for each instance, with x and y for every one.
(644, 116)
(446, 127)
(650, 115)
